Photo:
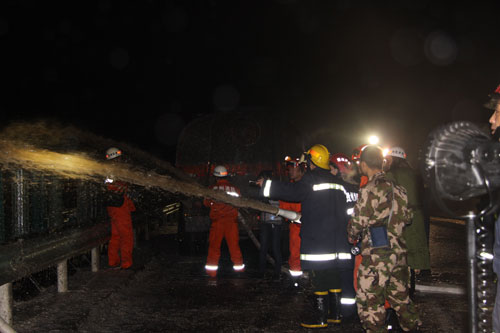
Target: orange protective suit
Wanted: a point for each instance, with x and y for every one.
(224, 225)
(121, 243)
(294, 242)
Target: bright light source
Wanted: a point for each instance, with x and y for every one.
(373, 140)
(485, 255)
(385, 151)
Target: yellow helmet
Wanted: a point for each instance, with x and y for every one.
(320, 156)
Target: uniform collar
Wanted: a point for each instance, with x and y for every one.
(378, 175)
(320, 170)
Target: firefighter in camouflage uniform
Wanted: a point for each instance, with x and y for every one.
(380, 216)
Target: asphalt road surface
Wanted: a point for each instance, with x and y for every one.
(168, 292)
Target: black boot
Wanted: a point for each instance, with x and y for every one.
(334, 315)
(412, 284)
(391, 321)
(317, 316)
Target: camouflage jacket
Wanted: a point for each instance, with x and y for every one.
(373, 208)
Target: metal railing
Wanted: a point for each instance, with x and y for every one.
(46, 220)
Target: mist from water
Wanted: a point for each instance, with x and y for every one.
(71, 153)
(75, 154)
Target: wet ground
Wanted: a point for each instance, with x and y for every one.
(168, 292)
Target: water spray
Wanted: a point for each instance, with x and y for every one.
(15, 153)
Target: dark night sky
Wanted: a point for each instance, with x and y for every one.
(338, 70)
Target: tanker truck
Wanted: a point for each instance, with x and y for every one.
(246, 143)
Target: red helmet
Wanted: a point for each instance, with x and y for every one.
(341, 161)
(494, 99)
(356, 152)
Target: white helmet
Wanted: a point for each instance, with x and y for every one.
(113, 152)
(220, 171)
(397, 152)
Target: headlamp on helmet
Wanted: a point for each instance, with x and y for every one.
(293, 162)
(397, 152)
(220, 171)
(113, 152)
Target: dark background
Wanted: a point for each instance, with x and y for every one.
(138, 71)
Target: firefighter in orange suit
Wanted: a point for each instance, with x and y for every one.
(296, 170)
(224, 225)
(119, 207)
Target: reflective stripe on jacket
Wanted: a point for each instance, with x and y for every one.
(219, 210)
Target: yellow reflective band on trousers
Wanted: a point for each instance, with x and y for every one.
(211, 267)
(348, 301)
(295, 273)
(239, 267)
(314, 325)
(318, 257)
(325, 257)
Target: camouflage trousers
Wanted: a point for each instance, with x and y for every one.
(384, 275)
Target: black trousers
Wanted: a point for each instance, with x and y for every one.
(326, 279)
(340, 277)
(270, 236)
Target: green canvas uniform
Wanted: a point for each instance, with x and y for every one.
(383, 273)
(414, 234)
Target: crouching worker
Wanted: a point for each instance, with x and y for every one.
(224, 225)
(380, 216)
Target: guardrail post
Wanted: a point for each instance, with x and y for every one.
(471, 278)
(95, 259)
(20, 205)
(6, 301)
(3, 222)
(62, 276)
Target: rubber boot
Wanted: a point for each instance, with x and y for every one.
(391, 321)
(334, 315)
(412, 284)
(316, 317)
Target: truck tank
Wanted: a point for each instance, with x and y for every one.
(246, 143)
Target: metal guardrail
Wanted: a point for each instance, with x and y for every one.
(24, 258)
(447, 220)
(172, 208)
(47, 220)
